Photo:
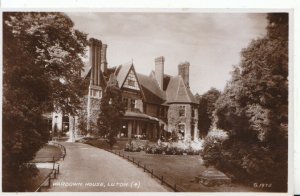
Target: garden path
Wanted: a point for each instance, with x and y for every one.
(90, 169)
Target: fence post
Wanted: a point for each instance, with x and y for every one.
(132, 160)
(54, 173)
(144, 168)
(58, 168)
(138, 164)
(151, 173)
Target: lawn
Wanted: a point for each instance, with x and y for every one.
(176, 169)
(181, 170)
(47, 153)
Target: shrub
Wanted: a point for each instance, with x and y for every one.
(211, 153)
(175, 148)
(135, 145)
(170, 151)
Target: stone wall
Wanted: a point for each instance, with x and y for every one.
(94, 112)
(174, 120)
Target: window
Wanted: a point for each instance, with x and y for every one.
(182, 111)
(96, 93)
(125, 102)
(131, 82)
(132, 103)
(193, 112)
(65, 124)
(192, 131)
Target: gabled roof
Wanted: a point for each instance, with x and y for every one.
(152, 92)
(121, 72)
(174, 88)
(178, 92)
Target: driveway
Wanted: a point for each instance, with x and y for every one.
(90, 169)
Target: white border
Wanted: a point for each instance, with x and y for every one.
(149, 4)
(185, 6)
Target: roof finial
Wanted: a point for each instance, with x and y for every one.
(131, 61)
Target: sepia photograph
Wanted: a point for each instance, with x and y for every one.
(145, 101)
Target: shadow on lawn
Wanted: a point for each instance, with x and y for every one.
(175, 169)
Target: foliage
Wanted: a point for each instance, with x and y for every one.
(253, 110)
(212, 150)
(41, 74)
(136, 145)
(175, 148)
(205, 110)
(112, 109)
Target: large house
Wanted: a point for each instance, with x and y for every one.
(157, 104)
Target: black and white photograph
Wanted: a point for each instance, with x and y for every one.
(146, 101)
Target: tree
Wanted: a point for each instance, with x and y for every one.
(41, 73)
(253, 110)
(112, 111)
(205, 110)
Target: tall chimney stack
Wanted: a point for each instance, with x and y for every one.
(103, 58)
(184, 72)
(159, 71)
(95, 60)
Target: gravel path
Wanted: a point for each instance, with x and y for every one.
(90, 169)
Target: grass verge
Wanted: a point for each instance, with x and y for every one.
(47, 153)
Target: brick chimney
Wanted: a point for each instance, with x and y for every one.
(184, 72)
(159, 71)
(95, 60)
(103, 58)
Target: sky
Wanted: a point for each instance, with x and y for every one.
(211, 42)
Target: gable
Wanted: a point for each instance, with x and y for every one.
(131, 81)
(121, 72)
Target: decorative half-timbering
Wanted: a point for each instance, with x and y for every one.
(156, 104)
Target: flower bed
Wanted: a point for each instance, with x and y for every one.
(166, 148)
(136, 145)
(178, 148)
